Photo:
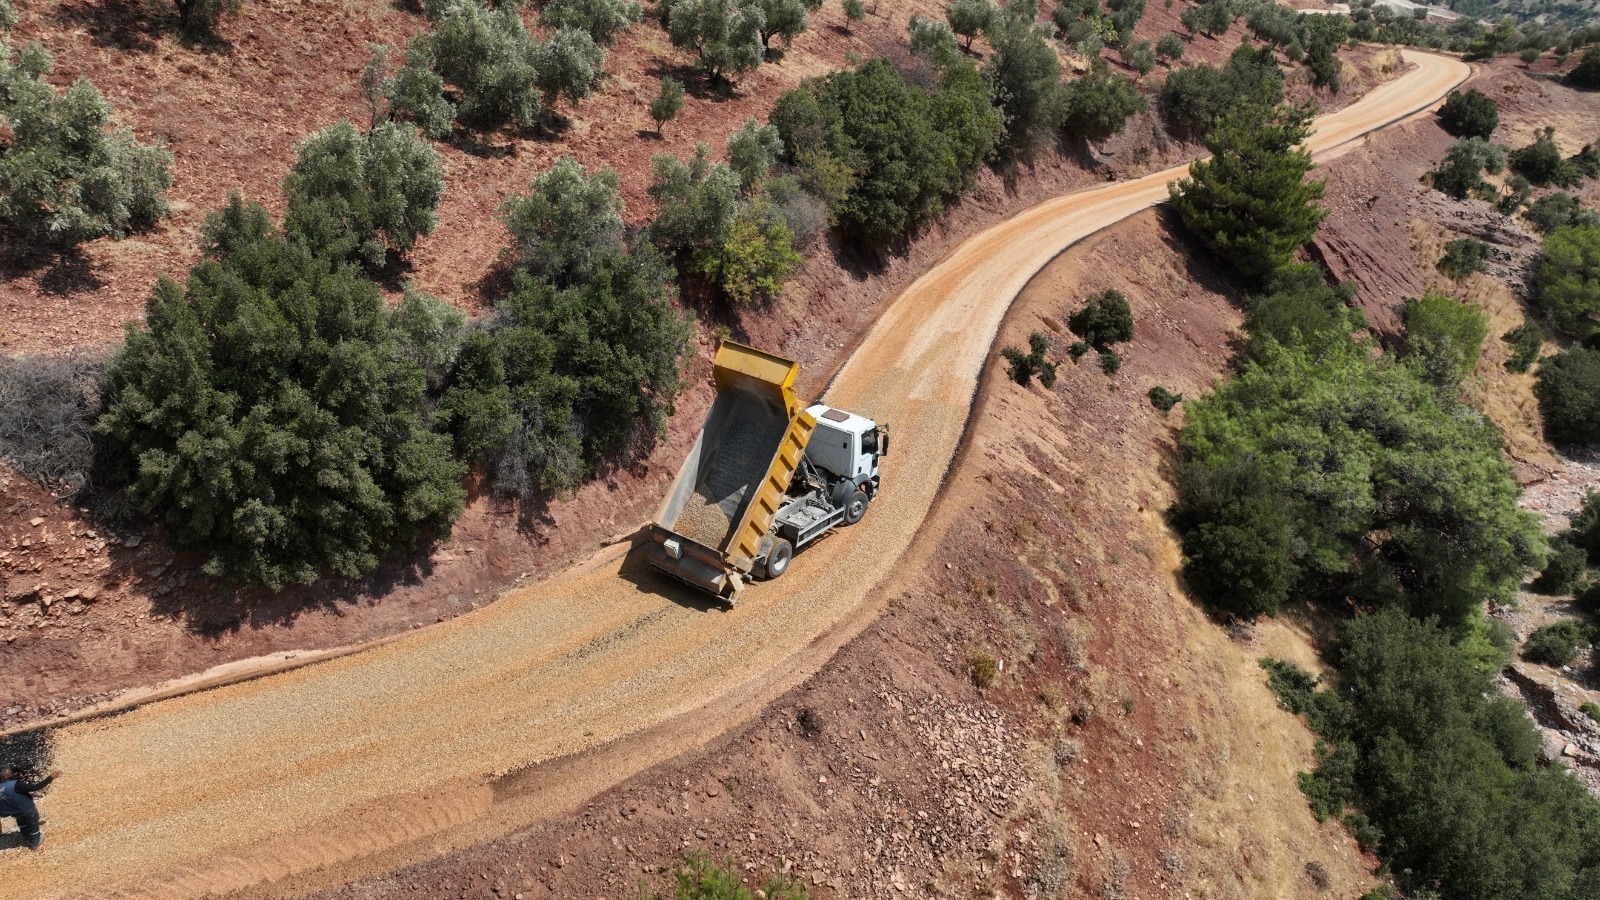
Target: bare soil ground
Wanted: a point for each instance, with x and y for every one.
(1128, 746)
(87, 614)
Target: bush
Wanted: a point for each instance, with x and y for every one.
(568, 64)
(1541, 162)
(854, 11)
(360, 195)
(1098, 104)
(754, 258)
(1469, 114)
(268, 410)
(1110, 362)
(1125, 16)
(1558, 643)
(1326, 471)
(1558, 210)
(1444, 336)
(1585, 531)
(1170, 46)
(1300, 308)
(1463, 257)
(47, 410)
(1568, 389)
(725, 36)
(1025, 78)
(602, 20)
(69, 175)
(1140, 56)
(487, 55)
(698, 877)
(1163, 399)
(1567, 284)
(696, 201)
(1518, 190)
(1564, 571)
(1295, 688)
(667, 104)
(1195, 98)
(566, 222)
(1526, 341)
(782, 18)
(1590, 709)
(884, 153)
(970, 18)
(1105, 319)
(1460, 174)
(1250, 203)
(983, 669)
(752, 151)
(1024, 366)
(1587, 72)
(589, 370)
(1210, 18)
(8, 15)
(933, 40)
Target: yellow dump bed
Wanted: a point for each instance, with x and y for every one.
(711, 527)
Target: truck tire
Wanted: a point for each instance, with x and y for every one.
(855, 507)
(777, 561)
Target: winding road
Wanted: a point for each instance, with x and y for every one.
(520, 711)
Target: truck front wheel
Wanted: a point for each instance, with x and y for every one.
(855, 507)
(778, 557)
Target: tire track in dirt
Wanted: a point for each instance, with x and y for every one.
(522, 710)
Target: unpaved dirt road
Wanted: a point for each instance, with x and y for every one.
(522, 710)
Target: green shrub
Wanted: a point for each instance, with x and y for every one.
(1558, 643)
(1463, 257)
(933, 40)
(568, 64)
(1587, 72)
(696, 201)
(1469, 114)
(199, 18)
(1460, 173)
(1024, 366)
(1163, 399)
(1444, 336)
(783, 18)
(1526, 341)
(1564, 570)
(602, 20)
(1590, 709)
(1110, 362)
(268, 412)
(725, 36)
(1568, 388)
(589, 369)
(1324, 470)
(890, 152)
(1105, 319)
(970, 18)
(667, 104)
(1585, 530)
(854, 11)
(752, 151)
(1195, 98)
(1098, 103)
(488, 55)
(69, 174)
(1025, 78)
(1251, 203)
(1170, 46)
(1140, 56)
(1301, 308)
(566, 222)
(1125, 16)
(1541, 162)
(753, 258)
(698, 877)
(1210, 18)
(360, 195)
(1517, 192)
(8, 15)
(1567, 283)
(1558, 210)
(48, 405)
(1295, 687)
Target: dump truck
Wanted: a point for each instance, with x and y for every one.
(766, 476)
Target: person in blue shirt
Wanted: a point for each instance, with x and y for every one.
(16, 801)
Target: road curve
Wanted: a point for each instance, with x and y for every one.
(521, 710)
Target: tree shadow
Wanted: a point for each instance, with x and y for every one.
(645, 134)
(62, 271)
(479, 144)
(128, 25)
(695, 82)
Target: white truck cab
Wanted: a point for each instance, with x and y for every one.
(847, 445)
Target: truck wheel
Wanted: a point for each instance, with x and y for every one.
(855, 507)
(777, 559)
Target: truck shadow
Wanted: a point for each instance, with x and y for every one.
(637, 572)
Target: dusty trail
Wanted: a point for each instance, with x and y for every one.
(430, 741)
